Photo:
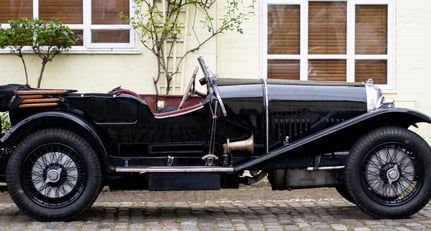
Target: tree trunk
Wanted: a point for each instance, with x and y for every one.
(25, 68)
(42, 69)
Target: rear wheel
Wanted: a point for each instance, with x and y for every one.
(341, 189)
(388, 173)
(53, 174)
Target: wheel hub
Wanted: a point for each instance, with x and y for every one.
(392, 174)
(53, 175)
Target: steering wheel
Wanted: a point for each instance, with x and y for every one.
(211, 81)
(189, 89)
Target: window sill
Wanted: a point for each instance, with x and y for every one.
(104, 51)
(89, 51)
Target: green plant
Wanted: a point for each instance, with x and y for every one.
(5, 122)
(46, 39)
(19, 35)
(158, 27)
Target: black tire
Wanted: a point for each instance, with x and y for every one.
(341, 189)
(53, 175)
(388, 173)
(278, 179)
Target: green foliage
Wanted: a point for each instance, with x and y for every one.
(51, 37)
(46, 38)
(5, 122)
(19, 35)
(156, 22)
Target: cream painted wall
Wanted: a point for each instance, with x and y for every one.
(413, 47)
(238, 54)
(86, 73)
(413, 63)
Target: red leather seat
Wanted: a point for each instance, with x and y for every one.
(182, 111)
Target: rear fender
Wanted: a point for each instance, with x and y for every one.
(340, 137)
(60, 120)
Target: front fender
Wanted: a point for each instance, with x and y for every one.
(339, 137)
(56, 119)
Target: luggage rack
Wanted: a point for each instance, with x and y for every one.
(41, 97)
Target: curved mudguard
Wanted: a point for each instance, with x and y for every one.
(356, 127)
(56, 116)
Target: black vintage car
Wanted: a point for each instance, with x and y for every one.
(65, 146)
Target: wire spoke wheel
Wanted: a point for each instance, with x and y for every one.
(54, 175)
(386, 173)
(391, 175)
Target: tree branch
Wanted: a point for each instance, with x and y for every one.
(159, 29)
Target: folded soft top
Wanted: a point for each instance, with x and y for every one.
(8, 98)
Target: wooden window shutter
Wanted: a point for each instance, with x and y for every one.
(110, 36)
(15, 9)
(283, 69)
(80, 35)
(371, 69)
(283, 38)
(68, 12)
(371, 35)
(327, 28)
(327, 70)
(283, 29)
(371, 29)
(108, 12)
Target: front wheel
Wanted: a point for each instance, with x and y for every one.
(53, 174)
(388, 173)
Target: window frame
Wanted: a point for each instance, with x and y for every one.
(350, 55)
(88, 46)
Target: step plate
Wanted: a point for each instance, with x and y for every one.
(183, 181)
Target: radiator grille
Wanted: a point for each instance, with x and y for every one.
(294, 128)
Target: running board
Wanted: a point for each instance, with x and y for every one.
(176, 169)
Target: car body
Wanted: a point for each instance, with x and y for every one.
(64, 146)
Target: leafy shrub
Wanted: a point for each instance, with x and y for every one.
(5, 122)
(46, 38)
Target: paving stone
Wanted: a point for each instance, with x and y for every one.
(242, 210)
(361, 229)
(338, 227)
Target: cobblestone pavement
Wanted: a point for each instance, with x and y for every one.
(249, 208)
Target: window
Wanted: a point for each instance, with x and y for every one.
(96, 22)
(342, 40)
